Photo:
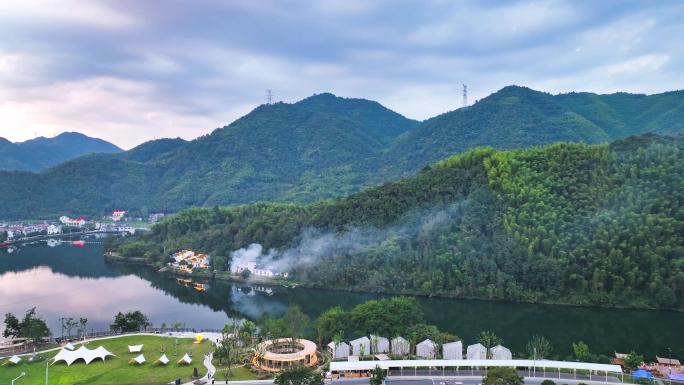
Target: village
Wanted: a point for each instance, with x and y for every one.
(116, 222)
(189, 262)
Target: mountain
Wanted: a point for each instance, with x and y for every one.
(574, 223)
(324, 147)
(320, 147)
(518, 117)
(40, 153)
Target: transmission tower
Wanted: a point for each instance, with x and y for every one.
(465, 95)
(269, 96)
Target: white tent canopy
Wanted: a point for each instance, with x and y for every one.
(360, 346)
(87, 355)
(69, 346)
(163, 359)
(452, 351)
(139, 359)
(15, 359)
(340, 350)
(379, 344)
(427, 349)
(476, 352)
(185, 359)
(400, 346)
(135, 348)
(500, 353)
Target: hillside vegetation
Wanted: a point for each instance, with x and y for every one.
(323, 147)
(568, 223)
(40, 153)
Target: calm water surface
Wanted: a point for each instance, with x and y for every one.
(71, 281)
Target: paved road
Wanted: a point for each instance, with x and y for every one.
(439, 380)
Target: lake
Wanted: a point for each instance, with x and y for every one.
(71, 281)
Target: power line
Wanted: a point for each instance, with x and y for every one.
(269, 96)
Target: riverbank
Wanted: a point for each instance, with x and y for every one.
(207, 275)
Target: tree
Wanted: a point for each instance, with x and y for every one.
(69, 324)
(503, 376)
(331, 322)
(377, 376)
(489, 340)
(548, 382)
(12, 326)
(299, 375)
(633, 360)
(296, 321)
(581, 351)
(539, 347)
(83, 323)
(31, 326)
(130, 321)
(245, 274)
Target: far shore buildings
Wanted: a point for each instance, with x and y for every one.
(77, 222)
(256, 269)
(54, 229)
(426, 349)
(187, 261)
(117, 215)
(155, 217)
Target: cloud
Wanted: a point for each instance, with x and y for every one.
(129, 71)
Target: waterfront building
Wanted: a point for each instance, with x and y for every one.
(54, 229)
(452, 351)
(426, 349)
(379, 344)
(400, 346)
(476, 352)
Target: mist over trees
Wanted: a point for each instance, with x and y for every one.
(565, 223)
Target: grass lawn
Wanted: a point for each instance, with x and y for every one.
(116, 370)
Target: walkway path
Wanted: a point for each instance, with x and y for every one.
(211, 370)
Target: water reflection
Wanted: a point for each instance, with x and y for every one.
(68, 281)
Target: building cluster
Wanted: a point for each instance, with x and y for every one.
(669, 368)
(187, 261)
(427, 349)
(18, 230)
(155, 217)
(256, 269)
(73, 222)
(117, 215)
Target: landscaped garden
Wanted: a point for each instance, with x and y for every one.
(117, 370)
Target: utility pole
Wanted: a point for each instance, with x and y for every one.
(465, 95)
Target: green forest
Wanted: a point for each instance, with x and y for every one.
(573, 223)
(322, 147)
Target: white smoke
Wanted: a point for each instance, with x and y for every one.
(315, 245)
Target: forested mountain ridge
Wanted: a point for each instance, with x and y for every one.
(518, 117)
(320, 147)
(323, 147)
(40, 153)
(566, 223)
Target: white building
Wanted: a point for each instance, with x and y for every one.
(499, 352)
(360, 346)
(452, 351)
(54, 229)
(426, 349)
(400, 346)
(340, 350)
(379, 344)
(78, 222)
(476, 352)
(256, 269)
(117, 215)
(11, 234)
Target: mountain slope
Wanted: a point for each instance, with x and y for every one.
(568, 223)
(324, 147)
(40, 153)
(274, 151)
(518, 117)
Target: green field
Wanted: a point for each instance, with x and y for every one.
(117, 370)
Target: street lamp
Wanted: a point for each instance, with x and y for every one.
(20, 376)
(669, 364)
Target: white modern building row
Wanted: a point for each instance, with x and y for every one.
(424, 349)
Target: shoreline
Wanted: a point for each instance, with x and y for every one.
(227, 277)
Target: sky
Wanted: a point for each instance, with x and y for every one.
(131, 71)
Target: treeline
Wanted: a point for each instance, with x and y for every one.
(565, 223)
